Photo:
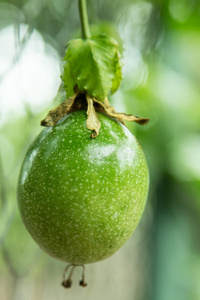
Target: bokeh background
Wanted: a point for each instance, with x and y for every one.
(161, 56)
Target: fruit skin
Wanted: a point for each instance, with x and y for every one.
(81, 198)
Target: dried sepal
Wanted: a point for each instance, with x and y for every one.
(93, 122)
(110, 111)
(91, 105)
(58, 112)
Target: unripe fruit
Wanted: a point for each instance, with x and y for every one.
(81, 198)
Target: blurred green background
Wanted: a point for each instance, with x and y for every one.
(161, 41)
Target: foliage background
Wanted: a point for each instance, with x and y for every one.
(161, 81)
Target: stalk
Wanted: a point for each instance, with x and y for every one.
(84, 19)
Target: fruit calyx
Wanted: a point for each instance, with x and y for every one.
(82, 101)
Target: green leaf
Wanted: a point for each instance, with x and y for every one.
(93, 65)
(118, 74)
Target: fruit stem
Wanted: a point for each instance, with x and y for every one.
(84, 19)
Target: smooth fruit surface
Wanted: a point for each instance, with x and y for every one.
(81, 198)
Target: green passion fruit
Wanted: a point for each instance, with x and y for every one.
(81, 198)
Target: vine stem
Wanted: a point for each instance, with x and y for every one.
(84, 19)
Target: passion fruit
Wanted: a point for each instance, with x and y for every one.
(81, 198)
